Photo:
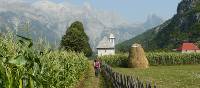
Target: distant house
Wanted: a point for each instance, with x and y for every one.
(188, 48)
(106, 46)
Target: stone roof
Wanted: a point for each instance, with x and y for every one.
(105, 44)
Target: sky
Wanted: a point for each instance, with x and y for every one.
(132, 10)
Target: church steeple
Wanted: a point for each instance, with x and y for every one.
(112, 39)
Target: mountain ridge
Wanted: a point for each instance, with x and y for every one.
(182, 26)
(52, 26)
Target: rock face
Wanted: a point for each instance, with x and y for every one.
(185, 25)
(152, 21)
(188, 13)
(186, 5)
(137, 58)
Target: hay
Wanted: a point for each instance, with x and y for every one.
(137, 58)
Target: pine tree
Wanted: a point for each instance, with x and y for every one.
(76, 39)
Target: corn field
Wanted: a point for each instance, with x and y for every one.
(25, 66)
(164, 58)
(120, 60)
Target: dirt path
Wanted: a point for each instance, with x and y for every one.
(89, 80)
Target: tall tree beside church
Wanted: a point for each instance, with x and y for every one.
(75, 39)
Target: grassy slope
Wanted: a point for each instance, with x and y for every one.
(124, 46)
(186, 76)
(144, 39)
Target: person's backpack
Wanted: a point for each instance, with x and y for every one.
(97, 64)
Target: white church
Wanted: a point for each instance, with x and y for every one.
(106, 46)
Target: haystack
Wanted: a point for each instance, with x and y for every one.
(137, 58)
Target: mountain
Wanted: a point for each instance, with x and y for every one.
(128, 31)
(18, 23)
(49, 20)
(183, 26)
(152, 21)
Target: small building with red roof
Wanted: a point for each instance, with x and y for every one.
(188, 48)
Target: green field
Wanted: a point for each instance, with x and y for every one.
(183, 76)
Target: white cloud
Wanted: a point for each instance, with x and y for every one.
(66, 12)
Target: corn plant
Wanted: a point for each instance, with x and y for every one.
(163, 58)
(24, 66)
(62, 69)
(17, 62)
(116, 60)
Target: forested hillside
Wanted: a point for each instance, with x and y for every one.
(183, 26)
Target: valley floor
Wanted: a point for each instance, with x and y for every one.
(183, 76)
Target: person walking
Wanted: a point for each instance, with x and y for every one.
(97, 67)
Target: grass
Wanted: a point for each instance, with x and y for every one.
(89, 80)
(183, 76)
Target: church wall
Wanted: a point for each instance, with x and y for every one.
(102, 52)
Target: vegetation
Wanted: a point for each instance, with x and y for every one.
(141, 39)
(182, 76)
(163, 58)
(120, 60)
(22, 66)
(173, 58)
(76, 39)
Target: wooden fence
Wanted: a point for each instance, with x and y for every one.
(117, 80)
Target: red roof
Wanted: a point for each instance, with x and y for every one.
(188, 46)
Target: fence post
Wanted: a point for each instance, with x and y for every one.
(118, 80)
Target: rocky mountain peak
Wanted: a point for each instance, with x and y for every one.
(152, 21)
(187, 5)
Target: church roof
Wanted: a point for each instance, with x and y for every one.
(105, 44)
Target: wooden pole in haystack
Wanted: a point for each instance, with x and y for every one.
(137, 57)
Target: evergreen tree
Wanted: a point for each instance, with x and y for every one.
(76, 39)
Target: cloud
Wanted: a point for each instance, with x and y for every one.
(66, 13)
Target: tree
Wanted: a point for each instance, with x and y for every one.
(76, 39)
